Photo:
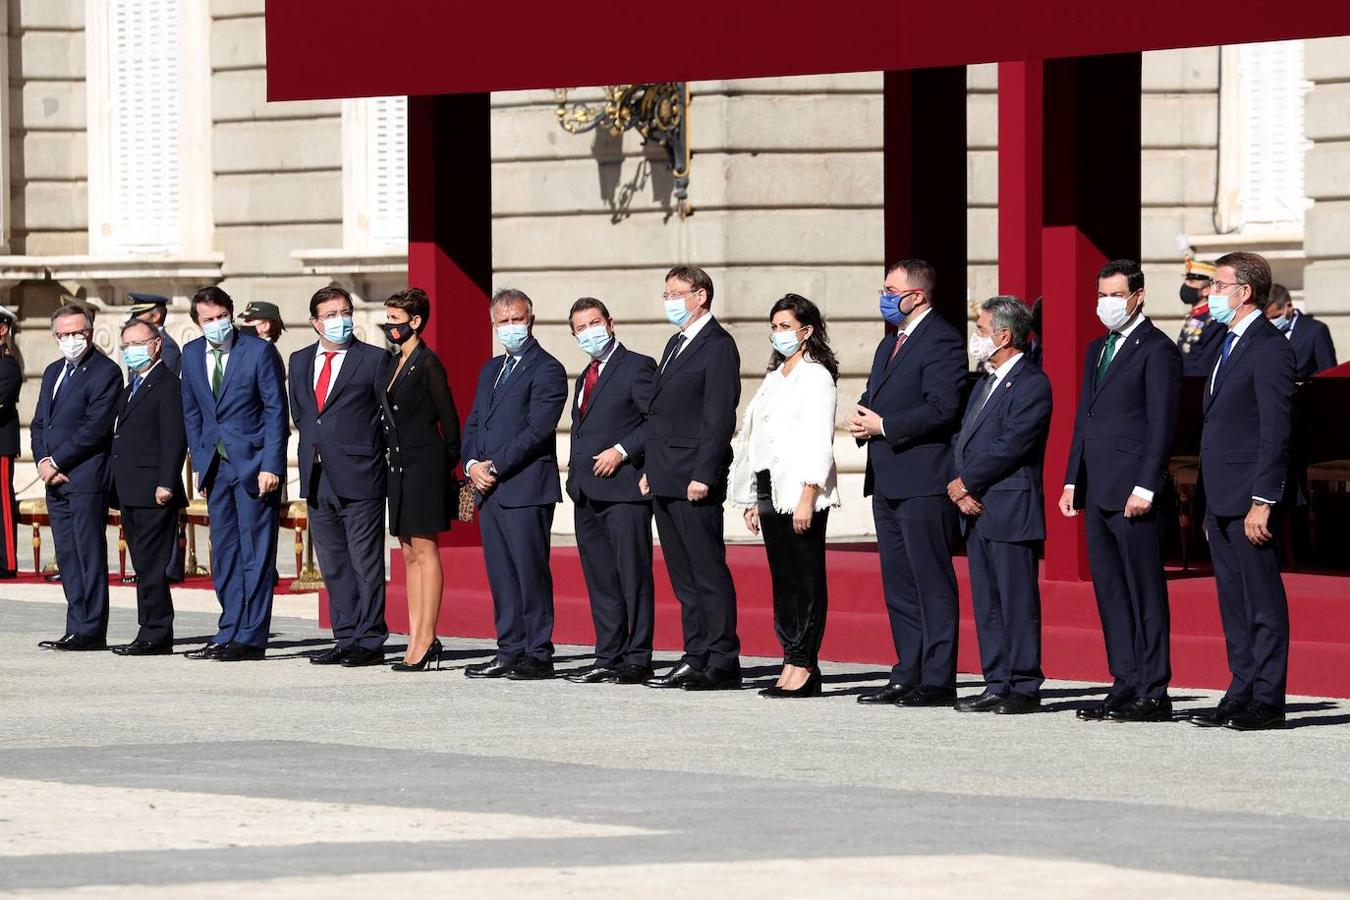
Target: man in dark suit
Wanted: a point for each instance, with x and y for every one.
(511, 449)
(1244, 461)
(335, 387)
(154, 310)
(1314, 350)
(71, 432)
(613, 518)
(999, 454)
(149, 445)
(1122, 439)
(906, 419)
(234, 405)
(689, 428)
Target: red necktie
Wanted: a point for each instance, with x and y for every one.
(588, 385)
(325, 374)
(899, 341)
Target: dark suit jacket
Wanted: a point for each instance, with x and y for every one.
(1002, 457)
(693, 415)
(250, 416)
(616, 413)
(349, 434)
(517, 429)
(1244, 445)
(170, 353)
(76, 430)
(1124, 427)
(11, 382)
(149, 441)
(1314, 350)
(919, 400)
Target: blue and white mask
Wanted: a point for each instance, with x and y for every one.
(513, 337)
(218, 332)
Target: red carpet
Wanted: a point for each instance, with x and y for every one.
(858, 631)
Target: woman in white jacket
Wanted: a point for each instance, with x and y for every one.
(784, 476)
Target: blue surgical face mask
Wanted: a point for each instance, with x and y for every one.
(1219, 310)
(136, 356)
(513, 337)
(890, 309)
(338, 329)
(1281, 323)
(676, 312)
(594, 340)
(786, 342)
(218, 332)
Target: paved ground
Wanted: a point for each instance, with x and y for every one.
(167, 778)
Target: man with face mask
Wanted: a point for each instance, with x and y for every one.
(335, 388)
(1122, 440)
(1314, 350)
(613, 518)
(1244, 464)
(149, 445)
(1201, 336)
(511, 450)
(71, 431)
(907, 419)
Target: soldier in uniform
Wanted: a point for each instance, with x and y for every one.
(1201, 336)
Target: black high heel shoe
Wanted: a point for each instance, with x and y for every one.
(434, 650)
(809, 688)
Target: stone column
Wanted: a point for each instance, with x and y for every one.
(1326, 238)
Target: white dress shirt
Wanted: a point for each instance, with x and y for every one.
(338, 356)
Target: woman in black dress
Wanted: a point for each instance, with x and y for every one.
(422, 431)
(11, 380)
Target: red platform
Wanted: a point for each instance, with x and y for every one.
(858, 631)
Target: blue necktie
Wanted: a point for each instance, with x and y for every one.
(65, 379)
(1223, 357)
(506, 373)
(135, 384)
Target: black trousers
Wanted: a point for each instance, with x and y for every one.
(797, 568)
(1127, 577)
(696, 558)
(614, 541)
(1254, 609)
(151, 533)
(349, 540)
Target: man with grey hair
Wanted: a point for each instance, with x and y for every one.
(71, 435)
(511, 455)
(999, 453)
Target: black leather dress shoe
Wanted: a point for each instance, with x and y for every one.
(1098, 711)
(77, 642)
(331, 657)
(714, 680)
(530, 669)
(674, 678)
(631, 673)
(983, 703)
(235, 652)
(1017, 704)
(493, 668)
(144, 648)
(1257, 717)
(593, 675)
(51, 645)
(1158, 709)
(1219, 715)
(887, 695)
(924, 695)
(363, 656)
(209, 651)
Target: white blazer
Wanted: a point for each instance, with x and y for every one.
(788, 429)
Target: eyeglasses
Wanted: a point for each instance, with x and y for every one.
(883, 292)
(680, 295)
(70, 334)
(336, 314)
(144, 343)
(1219, 286)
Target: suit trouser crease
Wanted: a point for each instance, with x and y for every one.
(614, 541)
(1254, 610)
(79, 523)
(244, 531)
(915, 539)
(348, 538)
(516, 553)
(797, 569)
(695, 554)
(1125, 556)
(1006, 597)
(151, 532)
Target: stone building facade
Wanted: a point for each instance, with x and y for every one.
(142, 155)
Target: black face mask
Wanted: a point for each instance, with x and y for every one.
(1190, 295)
(397, 332)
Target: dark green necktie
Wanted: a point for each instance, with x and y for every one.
(1107, 355)
(217, 376)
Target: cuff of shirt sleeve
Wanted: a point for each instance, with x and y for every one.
(1264, 500)
(1068, 487)
(1143, 494)
(470, 464)
(622, 452)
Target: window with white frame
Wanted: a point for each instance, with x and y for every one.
(375, 174)
(1263, 142)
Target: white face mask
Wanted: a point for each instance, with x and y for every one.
(1113, 311)
(72, 347)
(981, 347)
